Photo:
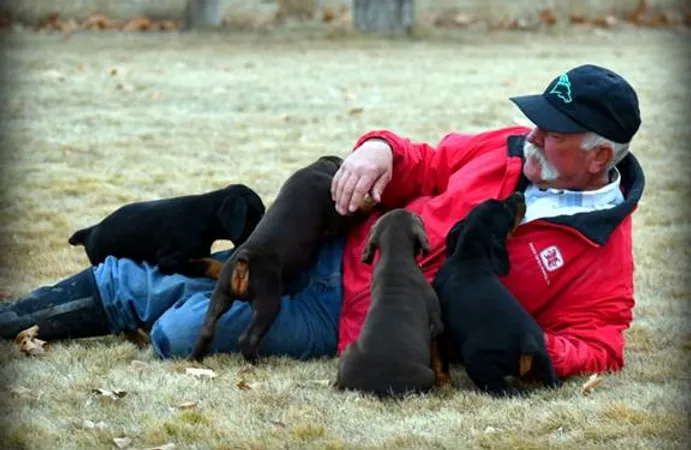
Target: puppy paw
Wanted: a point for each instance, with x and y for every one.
(248, 350)
(442, 379)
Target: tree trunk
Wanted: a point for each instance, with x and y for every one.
(384, 15)
(203, 14)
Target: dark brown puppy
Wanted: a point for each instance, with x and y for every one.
(284, 241)
(174, 233)
(392, 355)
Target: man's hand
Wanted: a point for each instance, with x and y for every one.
(368, 169)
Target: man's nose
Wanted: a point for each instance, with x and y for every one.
(536, 137)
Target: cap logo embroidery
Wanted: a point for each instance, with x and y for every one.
(562, 89)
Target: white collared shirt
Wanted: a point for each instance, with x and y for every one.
(557, 202)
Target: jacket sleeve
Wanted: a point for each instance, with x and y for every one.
(421, 170)
(591, 341)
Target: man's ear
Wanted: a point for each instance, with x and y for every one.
(233, 216)
(498, 256)
(603, 156)
(452, 237)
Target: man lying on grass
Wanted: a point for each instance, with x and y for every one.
(571, 258)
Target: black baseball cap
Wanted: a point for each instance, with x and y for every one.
(586, 98)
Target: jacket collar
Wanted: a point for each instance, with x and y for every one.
(596, 226)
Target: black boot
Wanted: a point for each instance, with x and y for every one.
(71, 308)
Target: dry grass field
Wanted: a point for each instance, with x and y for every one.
(98, 120)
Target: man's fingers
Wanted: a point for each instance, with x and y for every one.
(361, 188)
(335, 183)
(379, 186)
(345, 195)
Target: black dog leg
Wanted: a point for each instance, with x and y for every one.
(266, 306)
(220, 302)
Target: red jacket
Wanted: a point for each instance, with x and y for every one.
(574, 274)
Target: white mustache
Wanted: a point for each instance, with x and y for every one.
(547, 171)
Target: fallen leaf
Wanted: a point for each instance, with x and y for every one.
(94, 426)
(463, 20)
(607, 21)
(168, 446)
(27, 342)
(243, 385)
(589, 386)
(137, 364)
(306, 383)
(113, 72)
(578, 19)
(186, 405)
(124, 87)
(54, 75)
(122, 442)
(355, 111)
(115, 394)
(547, 16)
(200, 372)
(139, 23)
(21, 391)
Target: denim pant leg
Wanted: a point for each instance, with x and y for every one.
(134, 295)
(306, 326)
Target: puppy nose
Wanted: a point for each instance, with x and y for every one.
(518, 196)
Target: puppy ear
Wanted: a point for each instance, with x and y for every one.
(452, 237)
(370, 246)
(421, 239)
(498, 256)
(233, 216)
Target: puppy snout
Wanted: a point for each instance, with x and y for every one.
(517, 197)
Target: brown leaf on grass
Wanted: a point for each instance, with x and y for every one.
(166, 25)
(168, 446)
(125, 87)
(328, 14)
(355, 111)
(547, 16)
(21, 391)
(99, 22)
(243, 385)
(27, 342)
(139, 23)
(589, 386)
(578, 19)
(122, 442)
(89, 425)
(187, 405)
(607, 21)
(115, 394)
(200, 373)
(140, 365)
(637, 16)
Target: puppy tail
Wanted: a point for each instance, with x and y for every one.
(79, 237)
(240, 277)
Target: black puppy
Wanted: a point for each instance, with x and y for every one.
(495, 335)
(174, 233)
(285, 240)
(392, 355)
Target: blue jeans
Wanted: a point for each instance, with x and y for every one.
(173, 307)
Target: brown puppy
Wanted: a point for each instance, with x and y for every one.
(283, 242)
(392, 355)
